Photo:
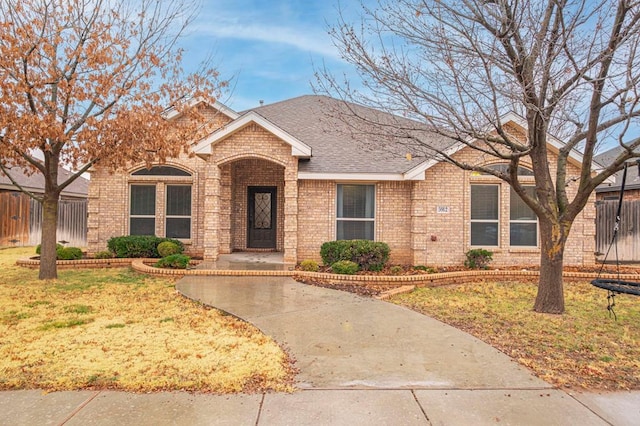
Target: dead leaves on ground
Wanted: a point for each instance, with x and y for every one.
(113, 328)
(583, 348)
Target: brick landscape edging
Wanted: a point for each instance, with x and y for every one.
(391, 281)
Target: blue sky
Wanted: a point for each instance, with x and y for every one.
(269, 48)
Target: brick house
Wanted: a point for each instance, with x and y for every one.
(289, 176)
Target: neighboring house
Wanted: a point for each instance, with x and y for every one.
(291, 176)
(21, 215)
(610, 190)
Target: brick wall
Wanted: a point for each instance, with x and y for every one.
(393, 219)
(424, 222)
(448, 219)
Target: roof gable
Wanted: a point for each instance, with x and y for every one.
(298, 148)
(171, 113)
(553, 143)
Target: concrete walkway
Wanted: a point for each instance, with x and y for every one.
(361, 361)
(367, 361)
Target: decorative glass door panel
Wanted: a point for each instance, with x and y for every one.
(261, 217)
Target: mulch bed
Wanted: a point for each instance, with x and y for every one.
(376, 290)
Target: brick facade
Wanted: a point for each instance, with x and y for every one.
(424, 222)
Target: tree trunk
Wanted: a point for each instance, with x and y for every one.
(550, 297)
(48, 240)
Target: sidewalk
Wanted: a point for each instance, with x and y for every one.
(317, 407)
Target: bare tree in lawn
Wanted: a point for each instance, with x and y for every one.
(570, 68)
(84, 82)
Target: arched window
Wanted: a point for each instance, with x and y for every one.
(161, 171)
(504, 168)
(161, 205)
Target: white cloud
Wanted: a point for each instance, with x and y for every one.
(301, 39)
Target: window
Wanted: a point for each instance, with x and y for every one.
(160, 197)
(484, 215)
(178, 214)
(161, 171)
(523, 223)
(504, 168)
(142, 213)
(355, 212)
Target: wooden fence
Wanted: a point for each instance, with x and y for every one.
(628, 240)
(14, 219)
(21, 221)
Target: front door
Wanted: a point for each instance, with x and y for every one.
(261, 220)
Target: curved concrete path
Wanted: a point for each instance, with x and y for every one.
(356, 352)
(342, 340)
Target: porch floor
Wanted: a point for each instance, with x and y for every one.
(253, 261)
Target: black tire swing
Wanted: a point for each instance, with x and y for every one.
(612, 285)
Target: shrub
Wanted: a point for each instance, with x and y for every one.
(478, 259)
(309, 265)
(174, 261)
(138, 245)
(69, 253)
(427, 269)
(396, 270)
(106, 254)
(58, 247)
(369, 255)
(167, 248)
(345, 267)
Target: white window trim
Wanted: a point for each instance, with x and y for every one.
(356, 219)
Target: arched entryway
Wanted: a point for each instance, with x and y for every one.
(253, 188)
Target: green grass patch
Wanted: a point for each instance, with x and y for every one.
(78, 309)
(39, 303)
(69, 323)
(116, 325)
(167, 319)
(13, 317)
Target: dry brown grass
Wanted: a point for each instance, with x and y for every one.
(583, 348)
(113, 328)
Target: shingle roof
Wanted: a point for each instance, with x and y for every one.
(339, 147)
(35, 182)
(633, 175)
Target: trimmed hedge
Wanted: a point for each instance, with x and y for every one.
(174, 261)
(64, 253)
(369, 255)
(38, 248)
(345, 267)
(69, 253)
(138, 245)
(167, 248)
(309, 265)
(478, 259)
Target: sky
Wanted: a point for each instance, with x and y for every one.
(269, 48)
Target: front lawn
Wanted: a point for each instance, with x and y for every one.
(583, 348)
(117, 329)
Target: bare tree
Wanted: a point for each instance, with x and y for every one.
(569, 68)
(84, 82)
